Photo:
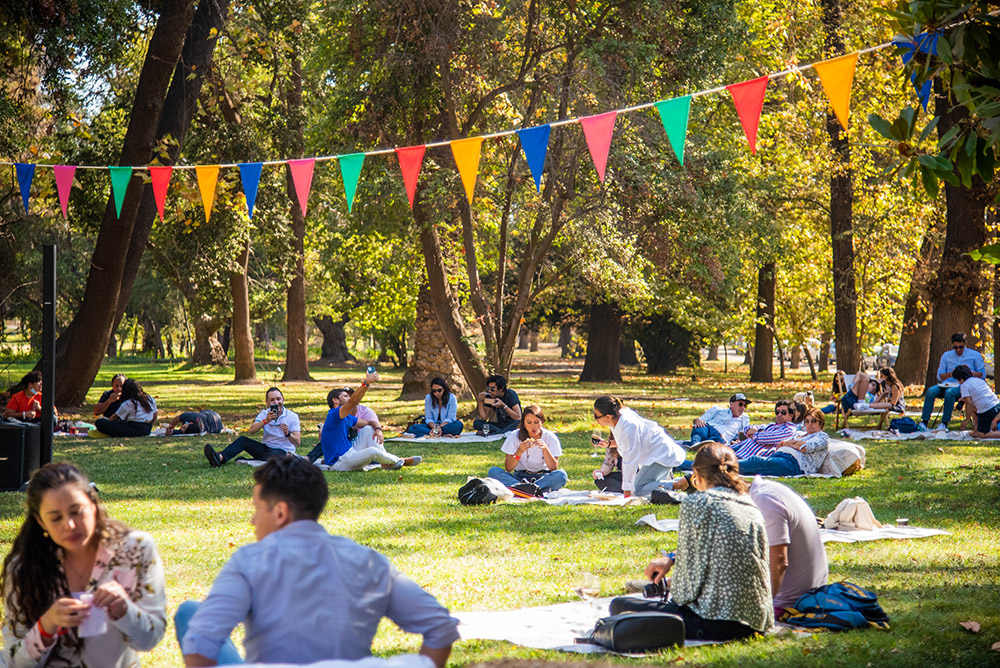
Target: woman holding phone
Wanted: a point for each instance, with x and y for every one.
(282, 433)
(80, 589)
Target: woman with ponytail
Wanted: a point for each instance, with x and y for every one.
(135, 416)
(648, 453)
(71, 563)
(721, 583)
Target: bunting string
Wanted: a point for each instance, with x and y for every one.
(836, 76)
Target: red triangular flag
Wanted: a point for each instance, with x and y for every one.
(748, 97)
(302, 177)
(161, 179)
(597, 129)
(410, 160)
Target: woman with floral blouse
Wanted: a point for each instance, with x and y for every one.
(721, 584)
(71, 562)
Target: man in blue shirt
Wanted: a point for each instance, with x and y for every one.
(948, 387)
(302, 594)
(721, 424)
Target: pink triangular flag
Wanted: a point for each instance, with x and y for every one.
(598, 129)
(410, 159)
(160, 175)
(302, 177)
(748, 97)
(64, 183)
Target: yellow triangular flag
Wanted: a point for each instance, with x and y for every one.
(837, 75)
(207, 177)
(466, 152)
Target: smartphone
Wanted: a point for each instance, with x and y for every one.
(370, 369)
(595, 439)
(489, 401)
(275, 409)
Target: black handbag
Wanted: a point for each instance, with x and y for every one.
(637, 632)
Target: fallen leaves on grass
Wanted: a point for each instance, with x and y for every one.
(970, 626)
(995, 647)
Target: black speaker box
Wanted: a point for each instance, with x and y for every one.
(19, 454)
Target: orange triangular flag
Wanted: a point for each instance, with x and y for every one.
(208, 176)
(748, 96)
(466, 152)
(837, 75)
(160, 176)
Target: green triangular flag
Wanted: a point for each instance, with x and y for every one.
(120, 176)
(674, 115)
(350, 171)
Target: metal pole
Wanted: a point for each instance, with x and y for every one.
(48, 351)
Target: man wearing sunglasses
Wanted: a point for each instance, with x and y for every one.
(721, 424)
(765, 439)
(947, 387)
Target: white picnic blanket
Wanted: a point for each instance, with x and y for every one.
(570, 497)
(884, 435)
(829, 536)
(466, 437)
(401, 661)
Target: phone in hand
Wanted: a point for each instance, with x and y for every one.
(275, 409)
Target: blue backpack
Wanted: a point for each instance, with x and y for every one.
(839, 607)
(904, 425)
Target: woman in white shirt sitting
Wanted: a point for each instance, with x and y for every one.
(648, 453)
(135, 417)
(531, 454)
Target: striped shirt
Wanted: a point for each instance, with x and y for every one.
(765, 442)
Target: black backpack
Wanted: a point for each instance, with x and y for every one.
(476, 493)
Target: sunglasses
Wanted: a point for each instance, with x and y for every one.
(811, 420)
(437, 390)
(597, 416)
(959, 347)
(741, 404)
(781, 412)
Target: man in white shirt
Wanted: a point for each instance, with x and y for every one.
(721, 424)
(302, 594)
(282, 433)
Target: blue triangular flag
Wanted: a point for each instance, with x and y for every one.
(250, 176)
(927, 43)
(535, 143)
(25, 173)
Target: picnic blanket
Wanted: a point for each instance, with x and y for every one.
(466, 437)
(401, 661)
(570, 497)
(828, 535)
(890, 435)
(551, 626)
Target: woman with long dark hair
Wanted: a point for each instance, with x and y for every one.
(531, 454)
(135, 416)
(79, 588)
(721, 583)
(891, 394)
(440, 412)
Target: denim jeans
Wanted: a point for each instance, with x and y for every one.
(650, 477)
(255, 449)
(934, 392)
(228, 655)
(706, 433)
(453, 428)
(547, 480)
(778, 464)
(122, 429)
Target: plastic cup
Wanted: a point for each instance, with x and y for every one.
(902, 522)
(96, 622)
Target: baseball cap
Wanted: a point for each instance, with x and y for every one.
(739, 396)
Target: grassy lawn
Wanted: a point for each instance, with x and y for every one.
(509, 556)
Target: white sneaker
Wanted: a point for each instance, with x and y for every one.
(861, 406)
(941, 427)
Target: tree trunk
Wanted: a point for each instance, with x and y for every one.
(959, 277)
(566, 339)
(915, 340)
(334, 350)
(713, 353)
(152, 339)
(297, 344)
(112, 346)
(431, 355)
(80, 348)
(603, 344)
(812, 365)
(748, 357)
(533, 341)
(763, 348)
(239, 287)
(626, 352)
(227, 337)
(795, 358)
(781, 357)
(445, 306)
(666, 344)
(824, 351)
(522, 339)
(207, 349)
(845, 297)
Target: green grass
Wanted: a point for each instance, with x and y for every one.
(509, 556)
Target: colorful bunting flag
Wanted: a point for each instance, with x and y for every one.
(302, 178)
(410, 160)
(925, 42)
(535, 144)
(674, 116)
(837, 75)
(25, 173)
(350, 172)
(250, 176)
(64, 183)
(160, 175)
(119, 183)
(466, 153)
(748, 96)
(598, 130)
(208, 176)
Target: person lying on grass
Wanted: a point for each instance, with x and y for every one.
(195, 422)
(302, 594)
(531, 454)
(282, 433)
